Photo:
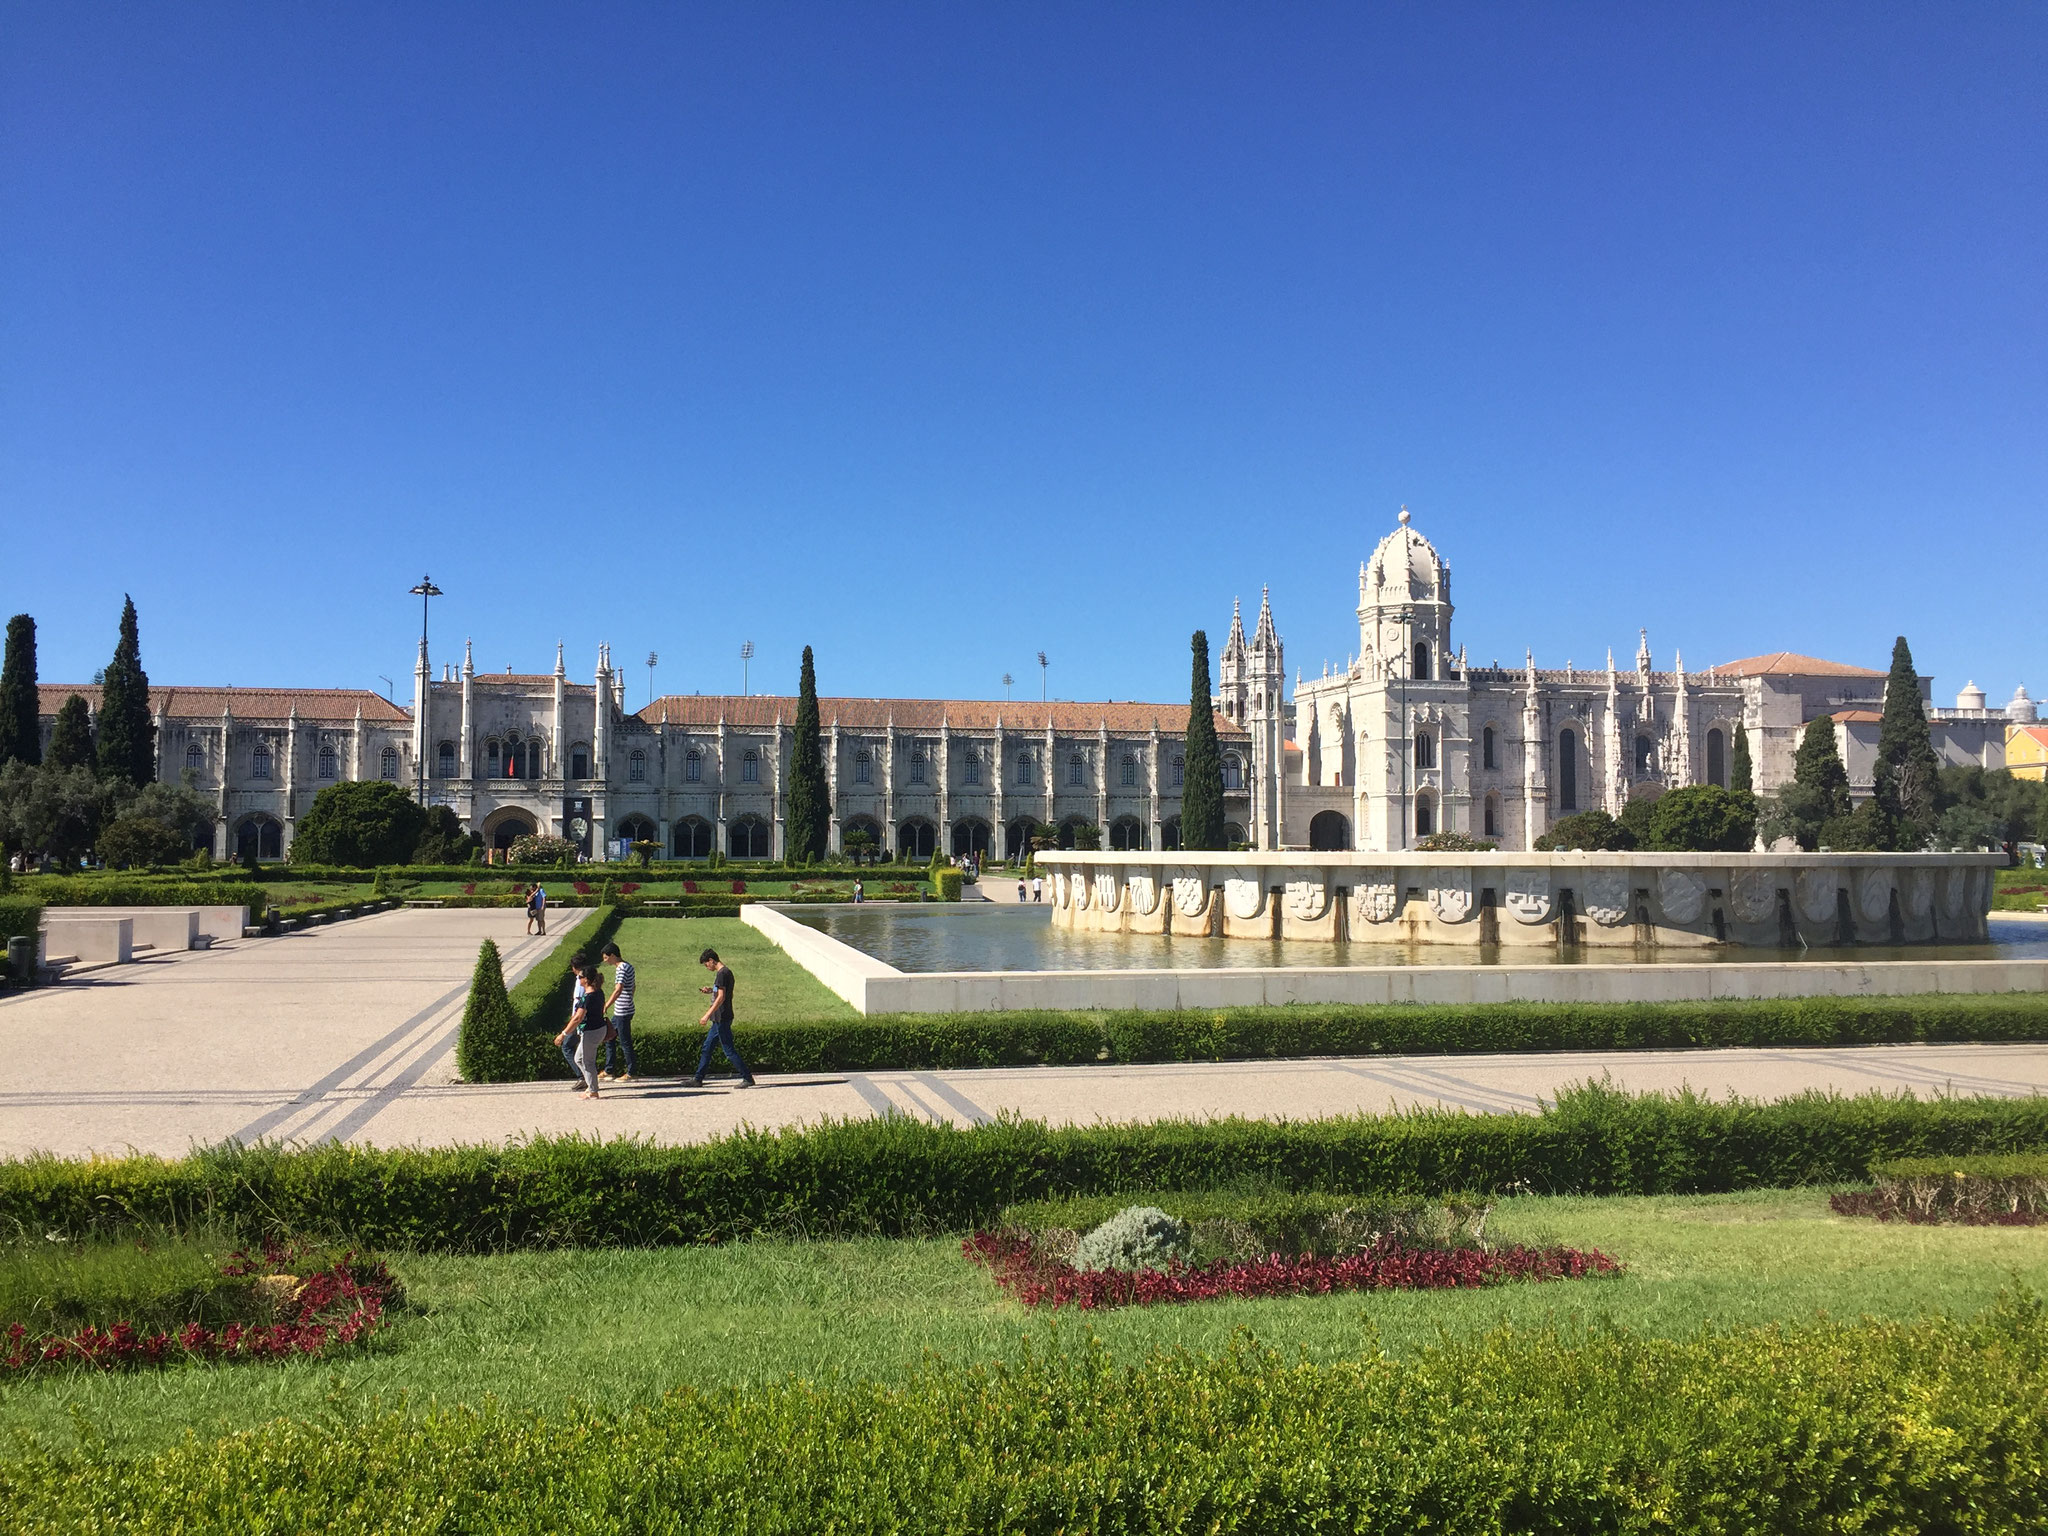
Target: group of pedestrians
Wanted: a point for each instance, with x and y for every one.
(1032, 889)
(598, 1040)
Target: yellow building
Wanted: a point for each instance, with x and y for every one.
(2026, 751)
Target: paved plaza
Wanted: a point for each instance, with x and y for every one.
(347, 1032)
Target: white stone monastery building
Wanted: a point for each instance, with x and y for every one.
(1408, 739)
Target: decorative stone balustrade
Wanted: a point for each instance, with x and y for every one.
(1762, 900)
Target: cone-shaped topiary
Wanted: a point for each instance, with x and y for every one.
(491, 1047)
(1201, 795)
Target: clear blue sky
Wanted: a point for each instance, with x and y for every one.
(934, 336)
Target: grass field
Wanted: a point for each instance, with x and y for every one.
(770, 988)
(621, 1326)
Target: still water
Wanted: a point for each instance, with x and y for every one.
(987, 937)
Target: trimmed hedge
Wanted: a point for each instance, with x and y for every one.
(20, 917)
(115, 891)
(1928, 1426)
(938, 1041)
(895, 1177)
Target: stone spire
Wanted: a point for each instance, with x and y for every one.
(558, 660)
(1234, 646)
(468, 658)
(1264, 635)
(1643, 651)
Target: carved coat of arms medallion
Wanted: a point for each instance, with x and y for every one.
(1243, 898)
(1059, 889)
(1606, 892)
(1308, 900)
(1874, 894)
(1373, 897)
(1814, 890)
(1681, 893)
(1144, 895)
(1754, 895)
(1916, 893)
(1529, 896)
(1190, 895)
(1450, 895)
(1106, 893)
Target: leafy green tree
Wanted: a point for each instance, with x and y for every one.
(1635, 820)
(127, 736)
(1587, 832)
(54, 811)
(1201, 794)
(71, 736)
(1817, 795)
(1741, 775)
(810, 800)
(442, 840)
(21, 726)
(358, 825)
(1702, 818)
(1908, 772)
(134, 842)
(1979, 807)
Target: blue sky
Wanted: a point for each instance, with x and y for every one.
(936, 336)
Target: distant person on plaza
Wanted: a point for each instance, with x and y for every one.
(859, 893)
(717, 1021)
(619, 1009)
(537, 909)
(1038, 887)
(1023, 889)
(586, 1028)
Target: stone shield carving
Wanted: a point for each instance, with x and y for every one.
(1916, 893)
(1373, 897)
(1308, 900)
(1874, 894)
(1059, 889)
(1144, 895)
(1955, 892)
(1450, 895)
(1243, 898)
(1190, 895)
(1077, 891)
(1754, 895)
(1814, 890)
(1681, 893)
(1106, 893)
(1606, 892)
(1529, 896)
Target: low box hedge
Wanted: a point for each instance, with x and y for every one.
(20, 917)
(894, 1177)
(508, 1037)
(1935, 1425)
(124, 891)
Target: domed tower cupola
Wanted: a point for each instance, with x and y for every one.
(1404, 608)
(2022, 710)
(1970, 696)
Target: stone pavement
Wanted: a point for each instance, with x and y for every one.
(347, 1032)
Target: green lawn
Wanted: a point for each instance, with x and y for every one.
(770, 988)
(618, 1326)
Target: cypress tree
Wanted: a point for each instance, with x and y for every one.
(127, 739)
(71, 740)
(1741, 777)
(1201, 795)
(1907, 769)
(21, 731)
(1818, 769)
(810, 802)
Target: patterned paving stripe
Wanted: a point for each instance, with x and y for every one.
(973, 1112)
(872, 1096)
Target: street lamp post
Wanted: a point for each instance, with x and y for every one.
(425, 592)
(1007, 681)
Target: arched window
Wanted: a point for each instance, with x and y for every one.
(194, 758)
(1646, 757)
(1422, 661)
(327, 762)
(444, 760)
(1425, 750)
(919, 755)
(636, 767)
(1233, 771)
(1076, 773)
(1717, 758)
(515, 758)
(1129, 775)
(692, 838)
(259, 761)
(916, 838)
(693, 771)
(388, 762)
(1568, 770)
(750, 838)
(970, 766)
(863, 768)
(1425, 816)
(491, 750)
(1486, 748)
(1180, 774)
(750, 769)
(1024, 766)
(1169, 834)
(1127, 834)
(579, 761)
(1492, 816)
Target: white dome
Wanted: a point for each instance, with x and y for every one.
(1972, 697)
(1406, 565)
(2021, 710)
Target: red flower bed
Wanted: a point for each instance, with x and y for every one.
(582, 887)
(1040, 1282)
(333, 1307)
(690, 886)
(739, 887)
(628, 887)
(469, 889)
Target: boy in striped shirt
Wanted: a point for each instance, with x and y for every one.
(619, 1007)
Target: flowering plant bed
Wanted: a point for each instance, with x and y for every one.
(1038, 1281)
(340, 1301)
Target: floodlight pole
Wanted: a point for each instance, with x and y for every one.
(653, 661)
(425, 592)
(746, 656)
(1041, 677)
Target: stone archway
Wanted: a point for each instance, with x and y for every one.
(502, 826)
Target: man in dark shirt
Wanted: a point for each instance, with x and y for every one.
(717, 1021)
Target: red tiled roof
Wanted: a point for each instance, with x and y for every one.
(244, 703)
(1792, 664)
(1854, 716)
(927, 714)
(2032, 732)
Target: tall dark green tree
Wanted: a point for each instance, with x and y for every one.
(1908, 774)
(1201, 795)
(71, 738)
(1741, 774)
(127, 736)
(1817, 767)
(21, 732)
(810, 801)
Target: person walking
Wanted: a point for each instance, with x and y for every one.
(717, 1021)
(618, 1042)
(586, 1028)
(859, 893)
(1038, 888)
(537, 909)
(1023, 890)
(578, 963)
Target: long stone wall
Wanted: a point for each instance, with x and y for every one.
(1774, 901)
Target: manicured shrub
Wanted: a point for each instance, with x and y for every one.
(20, 917)
(946, 884)
(2006, 1190)
(359, 824)
(509, 1037)
(135, 891)
(1929, 1426)
(892, 1176)
(1136, 1237)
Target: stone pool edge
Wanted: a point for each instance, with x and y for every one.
(873, 986)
